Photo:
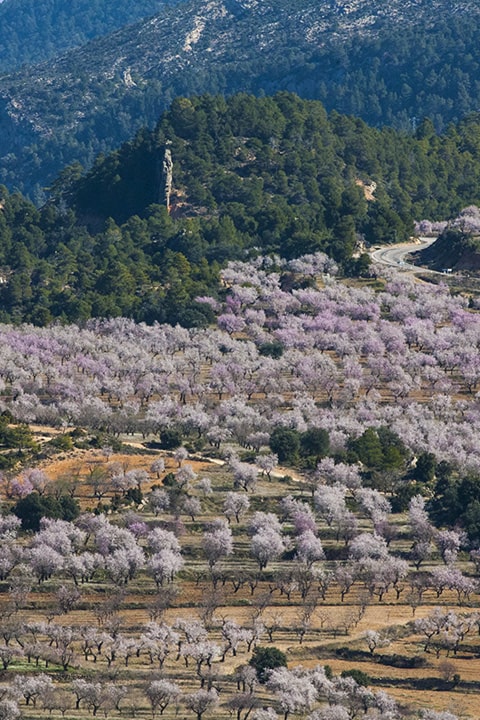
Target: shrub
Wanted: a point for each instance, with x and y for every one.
(360, 677)
(271, 349)
(285, 443)
(33, 507)
(169, 480)
(403, 661)
(171, 438)
(265, 659)
(316, 442)
(62, 442)
(247, 456)
(134, 495)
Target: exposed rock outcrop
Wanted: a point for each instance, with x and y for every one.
(167, 177)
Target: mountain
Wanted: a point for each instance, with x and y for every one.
(32, 31)
(390, 63)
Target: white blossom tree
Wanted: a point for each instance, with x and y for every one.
(160, 694)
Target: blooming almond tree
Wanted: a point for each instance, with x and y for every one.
(330, 502)
(159, 501)
(217, 542)
(123, 564)
(293, 689)
(164, 565)
(449, 543)
(160, 694)
(266, 545)
(333, 712)
(44, 561)
(191, 506)
(201, 702)
(264, 521)
(265, 714)
(159, 539)
(158, 466)
(236, 504)
(267, 463)
(374, 640)
(245, 475)
(9, 709)
(309, 548)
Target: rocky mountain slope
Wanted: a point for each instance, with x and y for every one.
(32, 31)
(94, 97)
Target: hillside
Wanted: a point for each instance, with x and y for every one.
(275, 175)
(457, 246)
(351, 56)
(455, 250)
(32, 31)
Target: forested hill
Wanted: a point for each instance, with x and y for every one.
(271, 175)
(32, 30)
(243, 156)
(389, 63)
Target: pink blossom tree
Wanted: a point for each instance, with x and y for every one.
(235, 505)
(217, 542)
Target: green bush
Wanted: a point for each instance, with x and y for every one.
(379, 448)
(286, 444)
(271, 349)
(33, 507)
(170, 438)
(265, 659)
(134, 495)
(315, 441)
(360, 677)
(62, 442)
(170, 480)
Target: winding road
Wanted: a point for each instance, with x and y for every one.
(394, 255)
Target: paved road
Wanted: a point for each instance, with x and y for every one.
(394, 255)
